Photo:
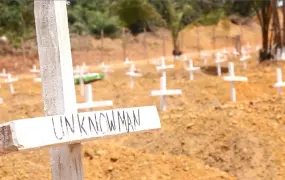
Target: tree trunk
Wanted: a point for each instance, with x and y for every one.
(264, 14)
(277, 28)
(23, 36)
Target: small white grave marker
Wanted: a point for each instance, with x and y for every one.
(191, 69)
(232, 78)
(185, 61)
(132, 73)
(128, 62)
(85, 67)
(89, 104)
(243, 59)
(80, 76)
(164, 67)
(219, 60)
(235, 52)
(105, 69)
(279, 82)
(1, 100)
(4, 73)
(36, 72)
(77, 70)
(10, 81)
(163, 92)
(205, 56)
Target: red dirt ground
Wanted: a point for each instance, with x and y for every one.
(203, 135)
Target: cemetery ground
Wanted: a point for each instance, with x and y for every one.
(203, 136)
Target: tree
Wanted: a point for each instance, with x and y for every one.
(17, 21)
(174, 20)
(90, 17)
(137, 14)
(263, 10)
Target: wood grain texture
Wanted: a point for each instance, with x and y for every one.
(51, 131)
(57, 81)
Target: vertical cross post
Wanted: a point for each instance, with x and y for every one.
(232, 78)
(279, 79)
(88, 94)
(4, 73)
(163, 65)
(132, 73)
(279, 82)
(219, 60)
(57, 81)
(10, 81)
(232, 74)
(191, 69)
(204, 55)
(163, 90)
(81, 81)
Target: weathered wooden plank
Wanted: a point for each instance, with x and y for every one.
(57, 82)
(167, 92)
(65, 129)
(235, 78)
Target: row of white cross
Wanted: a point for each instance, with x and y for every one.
(63, 129)
(163, 92)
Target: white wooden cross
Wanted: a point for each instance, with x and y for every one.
(185, 61)
(219, 60)
(163, 92)
(235, 52)
(10, 81)
(128, 62)
(164, 67)
(132, 73)
(85, 67)
(1, 100)
(232, 78)
(79, 73)
(4, 73)
(105, 69)
(36, 72)
(63, 129)
(191, 69)
(205, 56)
(225, 52)
(243, 59)
(77, 70)
(279, 82)
(89, 104)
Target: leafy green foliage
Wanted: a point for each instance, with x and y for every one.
(90, 17)
(16, 20)
(136, 14)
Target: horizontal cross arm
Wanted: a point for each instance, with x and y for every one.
(193, 69)
(94, 104)
(159, 68)
(166, 92)
(235, 78)
(65, 129)
(133, 74)
(279, 84)
(220, 61)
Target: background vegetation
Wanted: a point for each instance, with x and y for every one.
(89, 17)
